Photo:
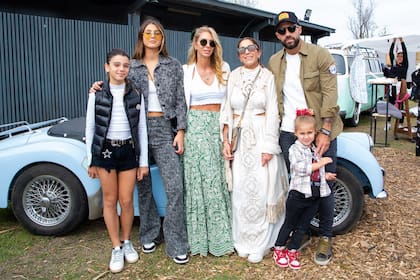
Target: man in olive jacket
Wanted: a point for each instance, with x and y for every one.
(305, 77)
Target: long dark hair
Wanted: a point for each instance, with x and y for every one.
(139, 49)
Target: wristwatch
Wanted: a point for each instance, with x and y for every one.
(325, 131)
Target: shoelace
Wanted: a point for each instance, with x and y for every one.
(293, 255)
(323, 247)
(117, 255)
(128, 248)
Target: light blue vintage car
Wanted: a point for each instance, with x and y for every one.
(44, 177)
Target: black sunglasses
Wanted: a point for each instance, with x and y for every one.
(203, 42)
(250, 48)
(291, 29)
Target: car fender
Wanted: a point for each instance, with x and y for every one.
(158, 190)
(354, 147)
(40, 148)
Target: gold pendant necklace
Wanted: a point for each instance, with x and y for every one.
(150, 75)
(203, 75)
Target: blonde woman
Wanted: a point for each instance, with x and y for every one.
(207, 200)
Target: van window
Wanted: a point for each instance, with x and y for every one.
(340, 64)
(350, 60)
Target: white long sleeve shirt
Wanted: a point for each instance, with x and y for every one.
(118, 127)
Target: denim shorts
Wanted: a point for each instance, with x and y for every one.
(118, 157)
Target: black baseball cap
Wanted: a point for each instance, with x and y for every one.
(286, 16)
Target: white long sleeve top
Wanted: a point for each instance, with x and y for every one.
(118, 128)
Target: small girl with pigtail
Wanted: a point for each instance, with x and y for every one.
(307, 185)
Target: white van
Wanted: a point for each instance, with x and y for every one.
(350, 109)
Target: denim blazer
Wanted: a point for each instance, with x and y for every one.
(168, 79)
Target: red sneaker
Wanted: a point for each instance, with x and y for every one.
(293, 257)
(280, 257)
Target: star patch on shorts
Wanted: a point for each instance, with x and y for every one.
(107, 153)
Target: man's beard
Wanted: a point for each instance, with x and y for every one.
(293, 45)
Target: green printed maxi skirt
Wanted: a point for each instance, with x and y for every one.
(206, 197)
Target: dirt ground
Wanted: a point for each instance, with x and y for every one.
(382, 246)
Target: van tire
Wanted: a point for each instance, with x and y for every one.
(355, 119)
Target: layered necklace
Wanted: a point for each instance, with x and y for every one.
(248, 78)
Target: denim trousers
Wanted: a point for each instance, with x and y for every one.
(160, 137)
(326, 204)
(299, 213)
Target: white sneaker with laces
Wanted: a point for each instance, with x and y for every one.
(117, 260)
(130, 254)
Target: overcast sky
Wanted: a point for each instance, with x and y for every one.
(398, 16)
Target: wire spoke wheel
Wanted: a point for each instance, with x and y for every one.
(47, 200)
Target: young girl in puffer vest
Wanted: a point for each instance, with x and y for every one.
(116, 141)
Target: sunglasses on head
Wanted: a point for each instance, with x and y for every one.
(203, 42)
(148, 34)
(250, 48)
(291, 29)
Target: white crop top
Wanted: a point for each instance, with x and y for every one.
(153, 104)
(203, 94)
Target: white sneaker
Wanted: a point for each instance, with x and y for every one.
(242, 255)
(255, 258)
(413, 129)
(130, 254)
(387, 126)
(117, 260)
(181, 259)
(149, 247)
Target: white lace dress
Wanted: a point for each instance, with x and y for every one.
(258, 192)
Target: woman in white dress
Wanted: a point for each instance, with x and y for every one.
(256, 172)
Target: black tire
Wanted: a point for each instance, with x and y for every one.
(348, 202)
(47, 199)
(355, 119)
